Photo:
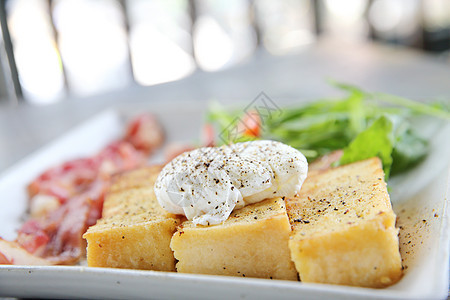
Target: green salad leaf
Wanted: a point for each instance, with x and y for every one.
(409, 150)
(363, 124)
(376, 140)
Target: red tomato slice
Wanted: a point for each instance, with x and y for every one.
(251, 124)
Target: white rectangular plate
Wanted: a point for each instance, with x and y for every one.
(419, 199)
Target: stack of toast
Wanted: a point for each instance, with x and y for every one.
(339, 229)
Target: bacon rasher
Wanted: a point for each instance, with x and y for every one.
(65, 200)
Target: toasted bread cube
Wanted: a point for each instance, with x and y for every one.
(344, 228)
(134, 232)
(252, 242)
(140, 177)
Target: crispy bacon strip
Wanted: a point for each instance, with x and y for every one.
(66, 225)
(145, 133)
(12, 253)
(4, 260)
(65, 180)
(65, 200)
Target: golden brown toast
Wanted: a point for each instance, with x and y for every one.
(134, 232)
(343, 232)
(344, 227)
(252, 242)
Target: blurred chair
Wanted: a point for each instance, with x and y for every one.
(58, 48)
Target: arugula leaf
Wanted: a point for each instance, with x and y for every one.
(409, 150)
(364, 124)
(414, 106)
(376, 140)
(219, 115)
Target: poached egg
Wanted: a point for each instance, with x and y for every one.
(208, 183)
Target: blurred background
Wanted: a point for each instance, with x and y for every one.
(54, 49)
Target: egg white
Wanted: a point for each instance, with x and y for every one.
(208, 183)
